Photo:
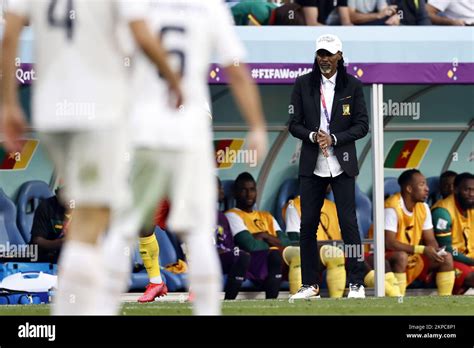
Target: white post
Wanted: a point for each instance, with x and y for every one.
(378, 188)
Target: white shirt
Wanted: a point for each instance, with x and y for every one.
(456, 9)
(82, 82)
(194, 32)
(367, 6)
(391, 219)
(327, 166)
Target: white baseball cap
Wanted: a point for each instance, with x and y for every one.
(329, 43)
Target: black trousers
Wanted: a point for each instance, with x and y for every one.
(313, 192)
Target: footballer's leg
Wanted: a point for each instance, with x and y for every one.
(148, 180)
(291, 256)
(391, 283)
(235, 264)
(273, 281)
(398, 262)
(90, 156)
(445, 276)
(150, 252)
(333, 259)
(464, 278)
(193, 215)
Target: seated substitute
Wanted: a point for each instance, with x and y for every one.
(255, 230)
(408, 224)
(453, 221)
(50, 224)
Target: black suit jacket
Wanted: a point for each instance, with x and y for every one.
(349, 122)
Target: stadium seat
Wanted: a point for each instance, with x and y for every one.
(390, 186)
(289, 189)
(433, 184)
(229, 201)
(28, 199)
(363, 212)
(8, 229)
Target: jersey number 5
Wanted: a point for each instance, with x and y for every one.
(174, 51)
(65, 23)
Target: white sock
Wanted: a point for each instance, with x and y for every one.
(156, 280)
(204, 274)
(117, 249)
(117, 256)
(81, 274)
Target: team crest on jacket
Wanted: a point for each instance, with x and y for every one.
(346, 110)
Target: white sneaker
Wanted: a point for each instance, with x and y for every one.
(306, 292)
(356, 291)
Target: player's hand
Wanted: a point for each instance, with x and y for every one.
(394, 20)
(433, 254)
(258, 141)
(13, 125)
(458, 22)
(388, 11)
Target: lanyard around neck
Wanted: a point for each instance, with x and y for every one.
(323, 101)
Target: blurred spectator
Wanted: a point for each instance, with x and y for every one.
(455, 12)
(412, 12)
(373, 12)
(50, 224)
(320, 12)
(288, 14)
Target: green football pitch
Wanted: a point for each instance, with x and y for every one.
(418, 305)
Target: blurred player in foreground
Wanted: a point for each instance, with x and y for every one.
(80, 107)
(173, 150)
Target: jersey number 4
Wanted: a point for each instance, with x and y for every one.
(67, 22)
(176, 52)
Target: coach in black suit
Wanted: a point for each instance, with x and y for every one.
(328, 114)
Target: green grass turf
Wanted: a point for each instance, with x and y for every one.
(420, 305)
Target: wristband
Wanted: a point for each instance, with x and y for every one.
(419, 249)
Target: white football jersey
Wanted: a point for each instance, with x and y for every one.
(194, 33)
(81, 64)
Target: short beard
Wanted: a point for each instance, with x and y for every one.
(325, 71)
